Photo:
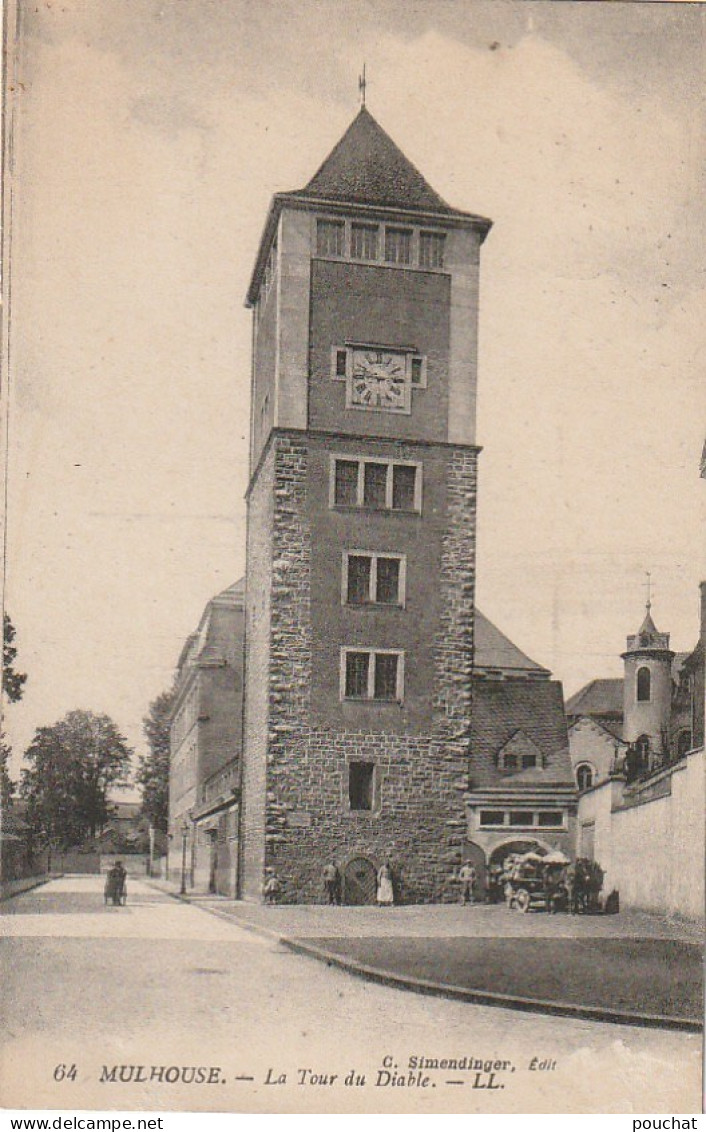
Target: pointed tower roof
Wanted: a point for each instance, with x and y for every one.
(648, 625)
(364, 171)
(367, 167)
(648, 637)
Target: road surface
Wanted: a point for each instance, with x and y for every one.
(164, 1006)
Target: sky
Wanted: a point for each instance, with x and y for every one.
(149, 138)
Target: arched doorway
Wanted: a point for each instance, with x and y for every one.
(359, 881)
(521, 845)
(473, 853)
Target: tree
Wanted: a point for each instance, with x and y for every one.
(72, 765)
(153, 769)
(7, 786)
(12, 686)
(12, 681)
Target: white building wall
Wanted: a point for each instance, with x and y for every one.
(652, 853)
(589, 743)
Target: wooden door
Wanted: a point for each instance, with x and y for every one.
(359, 882)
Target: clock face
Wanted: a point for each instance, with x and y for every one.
(379, 380)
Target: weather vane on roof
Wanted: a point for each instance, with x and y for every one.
(648, 584)
(362, 84)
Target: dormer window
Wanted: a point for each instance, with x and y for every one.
(519, 753)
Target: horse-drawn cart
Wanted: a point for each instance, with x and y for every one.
(551, 883)
(536, 882)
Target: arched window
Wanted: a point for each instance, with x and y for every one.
(584, 776)
(644, 679)
(642, 746)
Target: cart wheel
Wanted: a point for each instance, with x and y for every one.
(522, 900)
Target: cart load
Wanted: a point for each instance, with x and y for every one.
(551, 882)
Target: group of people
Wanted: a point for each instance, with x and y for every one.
(384, 890)
(332, 884)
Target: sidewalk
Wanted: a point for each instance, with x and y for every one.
(305, 921)
(631, 968)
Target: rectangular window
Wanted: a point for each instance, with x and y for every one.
(361, 785)
(357, 665)
(551, 818)
(341, 363)
(370, 579)
(398, 245)
(521, 817)
(404, 485)
(527, 761)
(385, 676)
(376, 484)
(387, 581)
(431, 249)
(364, 241)
(492, 817)
(372, 674)
(418, 373)
(329, 237)
(360, 570)
(346, 485)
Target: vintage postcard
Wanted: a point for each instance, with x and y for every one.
(354, 585)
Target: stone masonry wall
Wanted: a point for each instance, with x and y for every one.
(290, 632)
(418, 818)
(257, 646)
(454, 651)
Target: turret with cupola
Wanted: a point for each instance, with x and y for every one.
(647, 693)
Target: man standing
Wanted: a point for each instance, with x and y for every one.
(467, 877)
(332, 883)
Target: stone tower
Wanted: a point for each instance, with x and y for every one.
(361, 529)
(647, 688)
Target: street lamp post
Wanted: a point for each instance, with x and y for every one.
(184, 832)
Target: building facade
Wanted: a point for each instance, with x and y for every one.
(361, 529)
(648, 719)
(205, 749)
(522, 794)
(644, 821)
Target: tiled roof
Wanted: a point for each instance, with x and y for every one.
(366, 167)
(494, 651)
(502, 707)
(611, 727)
(679, 660)
(600, 697)
(614, 727)
(234, 595)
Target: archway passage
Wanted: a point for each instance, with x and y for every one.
(525, 845)
(359, 882)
